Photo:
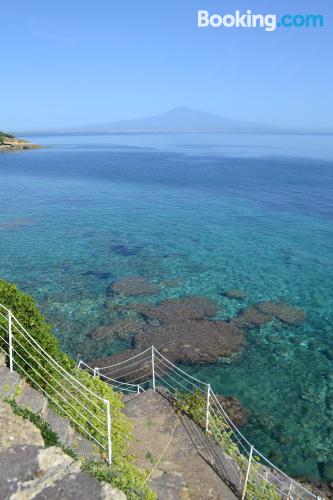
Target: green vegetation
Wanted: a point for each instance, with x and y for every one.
(121, 477)
(194, 405)
(83, 409)
(4, 136)
(150, 457)
(50, 437)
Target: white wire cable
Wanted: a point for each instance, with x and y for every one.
(216, 410)
(61, 384)
(181, 375)
(126, 360)
(60, 395)
(62, 409)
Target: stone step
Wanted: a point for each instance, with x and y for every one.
(26, 397)
(79, 486)
(15, 430)
(3, 359)
(33, 472)
(27, 469)
(9, 382)
(30, 399)
(84, 448)
(128, 397)
(61, 426)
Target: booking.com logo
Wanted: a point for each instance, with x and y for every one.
(267, 21)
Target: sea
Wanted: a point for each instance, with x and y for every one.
(198, 215)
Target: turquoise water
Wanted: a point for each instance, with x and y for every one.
(197, 215)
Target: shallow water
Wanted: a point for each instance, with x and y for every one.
(198, 215)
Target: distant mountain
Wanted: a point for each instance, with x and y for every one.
(181, 119)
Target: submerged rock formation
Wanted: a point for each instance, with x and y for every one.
(118, 329)
(183, 309)
(133, 285)
(235, 411)
(283, 312)
(234, 293)
(192, 341)
(264, 312)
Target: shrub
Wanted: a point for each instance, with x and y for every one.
(194, 405)
(66, 395)
(4, 136)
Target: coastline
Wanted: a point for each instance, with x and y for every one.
(14, 144)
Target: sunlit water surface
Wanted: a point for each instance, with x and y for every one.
(197, 214)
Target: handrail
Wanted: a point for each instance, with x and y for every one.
(250, 473)
(86, 409)
(18, 344)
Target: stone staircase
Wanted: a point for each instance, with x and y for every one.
(184, 463)
(28, 469)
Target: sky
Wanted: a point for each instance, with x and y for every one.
(72, 63)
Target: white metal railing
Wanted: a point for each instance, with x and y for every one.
(115, 384)
(250, 473)
(87, 411)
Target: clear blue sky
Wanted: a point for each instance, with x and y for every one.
(77, 62)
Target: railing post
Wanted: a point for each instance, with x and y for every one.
(96, 372)
(207, 407)
(108, 417)
(247, 473)
(153, 366)
(10, 341)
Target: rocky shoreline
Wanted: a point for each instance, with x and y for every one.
(11, 143)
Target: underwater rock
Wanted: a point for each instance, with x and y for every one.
(102, 275)
(265, 421)
(322, 489)
(233, 293)
(251, 317)
(283, 312)
(134, 285)
(131, 372)
(135, 310)
(120, 249)
(264, 312)
(171, 283)
(326, 469)
(18, 223)
(191, 341)
(120, 328)
(182, 309)
(235, 411)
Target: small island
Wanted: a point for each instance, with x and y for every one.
(9, 142)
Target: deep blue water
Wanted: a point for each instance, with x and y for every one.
(198, 215)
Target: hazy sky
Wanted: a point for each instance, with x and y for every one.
(78, 62)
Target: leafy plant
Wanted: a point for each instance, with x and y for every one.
(50, 437)
(194, 405)
(78, 403)
(124, 476)
(4, 136)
